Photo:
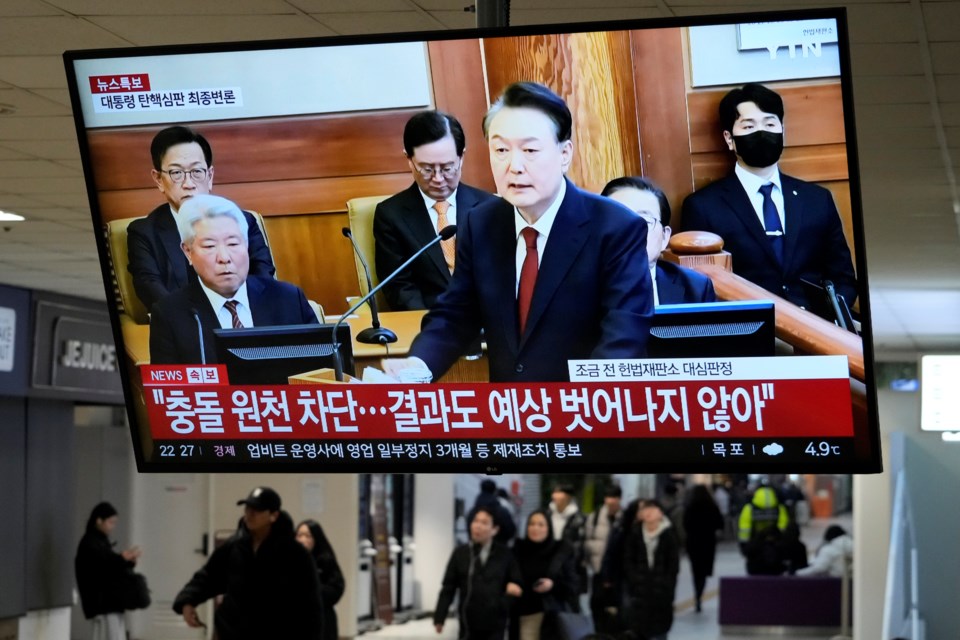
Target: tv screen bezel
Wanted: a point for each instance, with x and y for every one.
(868, 456)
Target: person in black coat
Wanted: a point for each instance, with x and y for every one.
(487, 577)
(268, 581)
(101, 574)
(550, 580)
(701, 521)
(310, 534)
(506, 529)
(651, 562)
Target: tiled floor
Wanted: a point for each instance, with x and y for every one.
(687, 625)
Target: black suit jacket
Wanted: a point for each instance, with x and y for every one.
(484, 605)
(592, 299)
(158, 265)
(814, 245)
(173, 328)
(679, 285)
(401, 225)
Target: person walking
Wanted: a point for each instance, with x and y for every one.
(268, 581)
(651, 562)
(549, 579)
(603, 600)
(310, 534)
(486, 575)
(101, 574)
(701, 520)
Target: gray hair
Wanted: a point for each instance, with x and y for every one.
(204, 207)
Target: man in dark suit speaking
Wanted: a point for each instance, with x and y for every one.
(433, 143)
(550, 272)
(672, 284)
(223, 296)
(182, 169)
(779, 230)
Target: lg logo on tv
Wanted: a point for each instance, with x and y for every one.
(8, 326)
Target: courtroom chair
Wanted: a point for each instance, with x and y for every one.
(360, 212)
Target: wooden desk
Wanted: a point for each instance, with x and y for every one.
(406, 324)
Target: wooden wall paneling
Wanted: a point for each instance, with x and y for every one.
(814, 137)
(841, 196)
(578, 68)
(288, 197)
(658, 68)
(311, 252)
(812, 114)
(456, 68)
(814, 163)
(264, 149)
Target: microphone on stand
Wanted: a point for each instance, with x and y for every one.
(374, 334)
(203, 352)
(445, 234)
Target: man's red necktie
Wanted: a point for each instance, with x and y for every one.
(528, 276)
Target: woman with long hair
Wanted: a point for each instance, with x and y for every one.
(310, 534)
(550, 581)
(101, 574)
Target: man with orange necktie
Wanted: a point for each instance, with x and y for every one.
(433, 143)
(214, 240)
(549, 272)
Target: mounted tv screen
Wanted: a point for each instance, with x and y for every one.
(532, 355)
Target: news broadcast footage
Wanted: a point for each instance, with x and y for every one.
(241, 308)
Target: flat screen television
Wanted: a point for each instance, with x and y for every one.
(713, 329)
(300, 128)
(271, 355)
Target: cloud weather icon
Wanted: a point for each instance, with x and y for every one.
(773, 449)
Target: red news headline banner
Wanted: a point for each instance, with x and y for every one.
(708, 399)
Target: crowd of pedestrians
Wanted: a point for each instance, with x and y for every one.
(519, 580)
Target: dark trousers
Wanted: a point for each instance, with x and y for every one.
(604, 607)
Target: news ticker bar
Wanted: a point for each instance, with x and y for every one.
(334, 454)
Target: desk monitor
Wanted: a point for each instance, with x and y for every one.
(270, 355)
(713, 330)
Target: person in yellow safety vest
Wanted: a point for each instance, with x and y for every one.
(761, 522)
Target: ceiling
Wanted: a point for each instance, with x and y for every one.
(906, 63)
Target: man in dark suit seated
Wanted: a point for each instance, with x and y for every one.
(550, 272)
(224, 295)
(433, 143)
(673, 284)
(779, 230)
(182, 168)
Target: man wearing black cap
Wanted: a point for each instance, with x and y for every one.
(268, 581)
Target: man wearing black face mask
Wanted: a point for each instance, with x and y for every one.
(780, 230)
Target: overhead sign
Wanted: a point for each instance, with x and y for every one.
(75, 356)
